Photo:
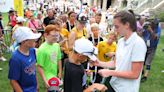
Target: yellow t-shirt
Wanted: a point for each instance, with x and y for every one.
(104, 47)
(64, 32)
(80, 34)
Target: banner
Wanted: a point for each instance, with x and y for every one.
(18, 6)
(6, 5)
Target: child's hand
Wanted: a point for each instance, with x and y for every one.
(88, 72)
(47, 85)
(110, 54)
(59, 75)
(95, 63)
(100, 87)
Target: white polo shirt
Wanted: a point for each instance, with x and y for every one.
(129, 51)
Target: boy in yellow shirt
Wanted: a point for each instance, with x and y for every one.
(78, 31)
(107, 49)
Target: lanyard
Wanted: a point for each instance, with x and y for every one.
(93, 39)
(69, 25)
(82, 30)
(92, 78)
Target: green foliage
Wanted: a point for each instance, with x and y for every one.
(161, 16)
(5, 18)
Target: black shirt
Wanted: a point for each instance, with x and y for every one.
(68, 26)
(1, 26)
(47, 20)
(73, 77)
(95, 40)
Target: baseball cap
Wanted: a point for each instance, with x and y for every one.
(82, 18)
(24, 33)
(54, 84)
(20, 19)
(85, 47)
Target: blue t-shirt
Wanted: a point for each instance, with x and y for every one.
(22, 69)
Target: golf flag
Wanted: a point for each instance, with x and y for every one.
(18, 6)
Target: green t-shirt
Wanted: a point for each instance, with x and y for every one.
(48, 57)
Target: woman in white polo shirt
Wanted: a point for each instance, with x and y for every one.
(130, 56)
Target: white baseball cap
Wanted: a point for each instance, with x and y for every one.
(20, 19)
(24, 33)
(85, 47)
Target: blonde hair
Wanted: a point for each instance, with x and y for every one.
(112, 33)
(95, 25)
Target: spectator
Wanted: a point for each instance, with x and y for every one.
(22, 70)
(50, 17)
(102, 28)
(88, 26)
(40, 21)
(12, 18)
(74, 71)
(78, 31)
(49, 66)
(151, 35)
(140, 22)
(70, 24)
(107, 49)
(1, 25)
(33, 24)
(20, 23)
(28, 13)
(2, 44)
(95, 37)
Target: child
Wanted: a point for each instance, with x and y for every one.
(107, 49)
(74, 71)
(95, 37)
(2, 44)
(49, 55)
(22, 71)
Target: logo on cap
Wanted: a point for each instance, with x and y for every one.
(54, 84)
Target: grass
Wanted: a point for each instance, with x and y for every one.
(154, 83)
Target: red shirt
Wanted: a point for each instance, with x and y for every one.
(13, 20)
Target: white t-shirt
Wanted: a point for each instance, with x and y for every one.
(129, 51)
(102, 29)
(88, 28)
(110, 19)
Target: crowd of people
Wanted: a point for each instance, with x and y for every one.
(74, 52)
